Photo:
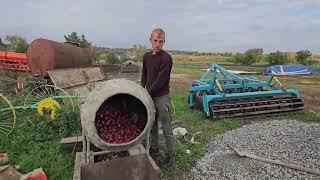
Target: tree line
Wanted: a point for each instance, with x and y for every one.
(98, 54)
(135, 53)
(16, 44)
(253, 56)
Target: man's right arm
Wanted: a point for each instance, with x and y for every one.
(144, 73)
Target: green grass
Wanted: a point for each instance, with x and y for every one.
(191, 69)
(305, 116)
(35, 143)
(202, 58)
(195, 121)
(198, 68)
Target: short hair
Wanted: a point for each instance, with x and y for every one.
(157, 30)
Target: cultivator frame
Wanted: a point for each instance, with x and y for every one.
(222, 94)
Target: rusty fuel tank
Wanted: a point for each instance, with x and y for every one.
(44, 55)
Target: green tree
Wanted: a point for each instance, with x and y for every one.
(226, 54)
(73, 38)
(95, 53)
(238, 58)
(304, 57)
(2, 46)
(251, 56)
(110, 58)
(17, 44)
(138, 50)
(278, 57)
(113, 59)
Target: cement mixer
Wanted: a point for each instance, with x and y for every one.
(117, 116)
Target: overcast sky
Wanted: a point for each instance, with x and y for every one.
(202, 25)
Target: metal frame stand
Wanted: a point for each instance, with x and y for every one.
(88, 154)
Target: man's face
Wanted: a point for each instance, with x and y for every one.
(157, 40)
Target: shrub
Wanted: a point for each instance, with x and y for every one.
(251, 56)
(278, 57)
(304, 57)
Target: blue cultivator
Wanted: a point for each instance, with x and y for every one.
(222, 94)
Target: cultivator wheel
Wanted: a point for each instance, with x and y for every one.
(48, 100)
(255, 106)
(7, 116)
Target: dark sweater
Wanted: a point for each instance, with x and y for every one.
(156, 73)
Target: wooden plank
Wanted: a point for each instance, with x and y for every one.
(286, 164)
(64, 78)
(77, 166)
(153, 164)
(69, 140)
(139, 149)
(74, 144)
(70, 144)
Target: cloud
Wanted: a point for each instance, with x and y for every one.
(206, 25)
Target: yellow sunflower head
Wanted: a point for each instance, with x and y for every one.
(48, 107)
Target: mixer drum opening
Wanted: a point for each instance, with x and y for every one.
(117, 115)
(121, 119)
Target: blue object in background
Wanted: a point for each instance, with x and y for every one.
(292, 69)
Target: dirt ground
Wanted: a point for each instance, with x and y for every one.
(181, 82)
(309, 87)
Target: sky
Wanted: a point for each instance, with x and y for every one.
(190, 25)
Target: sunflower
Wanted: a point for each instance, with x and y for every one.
(48, 107)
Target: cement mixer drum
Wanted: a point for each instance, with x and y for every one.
(112, 110)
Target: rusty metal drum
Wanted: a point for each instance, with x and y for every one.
(44, 55)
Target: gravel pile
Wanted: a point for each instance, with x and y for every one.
(286, 140)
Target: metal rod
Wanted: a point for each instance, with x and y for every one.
(84, 148)
(34, 106)
(4, 132)
(101, 152)
(88, 150)
(148, 143)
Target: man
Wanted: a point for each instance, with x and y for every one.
(155, 78)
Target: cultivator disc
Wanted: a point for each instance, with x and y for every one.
(7, 116)
(49, 100)
(255, 106)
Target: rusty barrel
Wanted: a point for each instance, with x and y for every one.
(117, 115)
(44, 55)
